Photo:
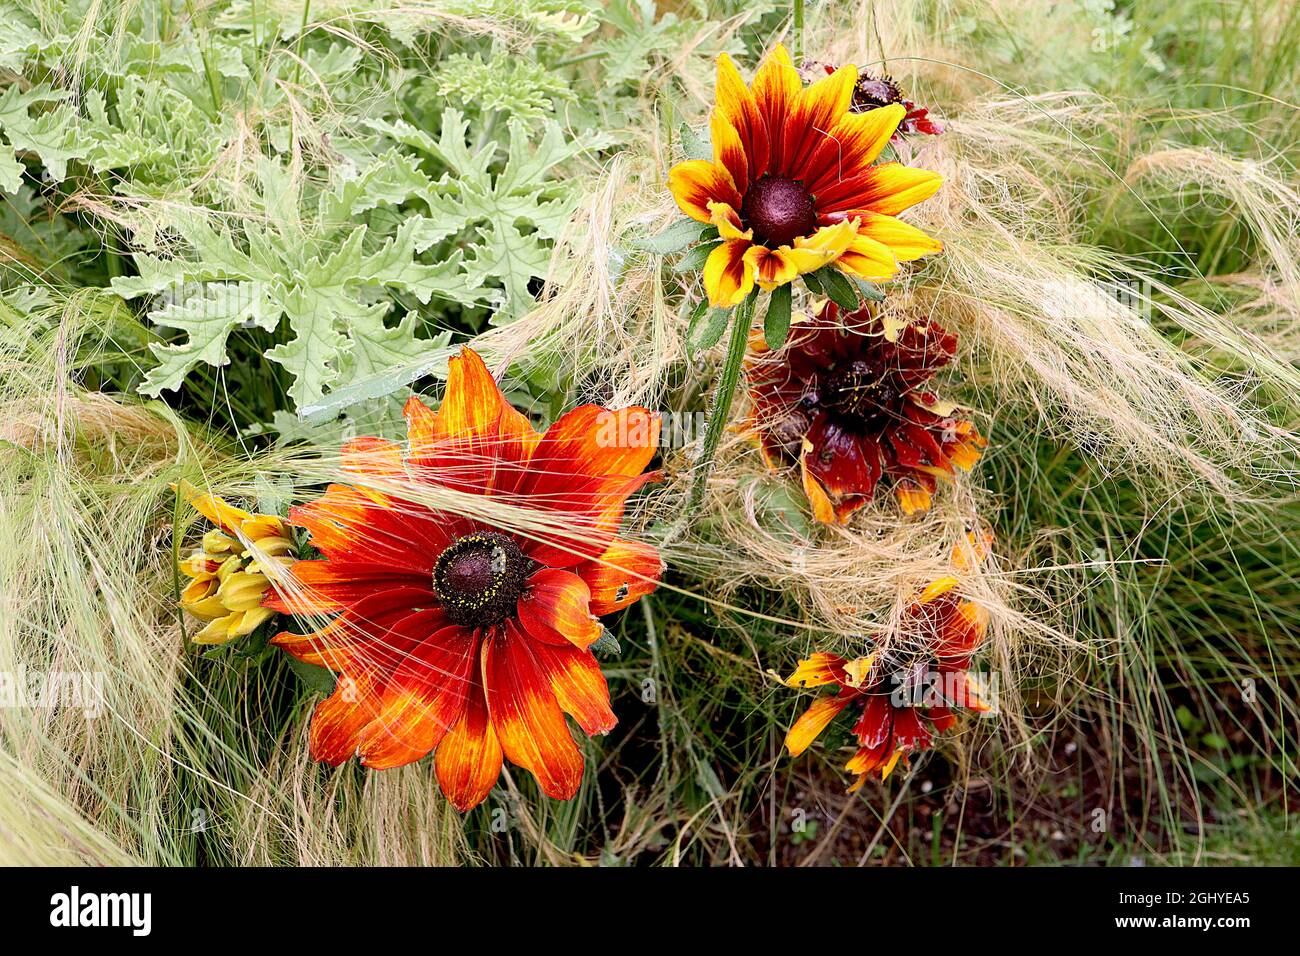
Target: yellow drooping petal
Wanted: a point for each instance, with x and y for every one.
(242, 591)
(728, 222)
(772, 267)
(728, 275)
(216, 632)
(936, 588)
(868, 259)
(825, 245)
(905, 241)
(812, 722)
(858, 671)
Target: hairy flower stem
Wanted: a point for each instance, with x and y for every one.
(720, 406)
(797, 30)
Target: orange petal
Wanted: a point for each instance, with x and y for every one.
(816, 114)
(526, 715)
(580, 687)
(776, 88)
(337, 721)
(728, 274)
(818, 670)
(892, 187)
(583, 470)
(912, 498)
(728, 150)
(972, 549)
(697, 182)
(376, 457)
(468, 761)
(347, 523)
(855, 142)
(735, 103)
(556, 608)
(772, 267)
(822, 507)
(626, 572)
(423, 698)
(812, 722)
(322, 587)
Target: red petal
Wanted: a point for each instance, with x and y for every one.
(580, 687)
(337, 721)
(626, 572)
(359, 637)
(468, 761)
(322, 587)
(556, 608)
(526, 715)
(424, 697)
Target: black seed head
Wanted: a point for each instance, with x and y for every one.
(479, 578)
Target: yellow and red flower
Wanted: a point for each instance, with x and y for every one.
(228, 572)
(846, 400)
(908, 691)
(794, 185)
(455, 635)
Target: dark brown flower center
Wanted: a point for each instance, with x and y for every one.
(479, 578)
(874, 92)
(861, 390)
(779, 210)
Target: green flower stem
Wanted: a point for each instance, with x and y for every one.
(720, 407)
(798, 32)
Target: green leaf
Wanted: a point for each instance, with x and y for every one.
(869, 290)
(695, 258)
(315, 680)
(695, 144)
(207, 317)
(11, 171)
(510, 219)
(606, 645)
(776, 324)
(838, 287)
(706, 328)
(676, 237)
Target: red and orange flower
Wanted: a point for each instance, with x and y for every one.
(793, 183)
(846, 400)
(451, 633)
(908, 691)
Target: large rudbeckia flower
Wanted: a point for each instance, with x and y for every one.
(793, 183)
(846, 400)
(907, 692)
(455, 634)
(228, 571)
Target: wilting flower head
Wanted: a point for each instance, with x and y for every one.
(228, 572)
(792, 185)
(846, 400)
(455, 634)
(909, 690)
